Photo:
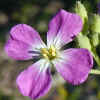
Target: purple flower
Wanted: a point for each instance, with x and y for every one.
(73, 64)
(98, 6)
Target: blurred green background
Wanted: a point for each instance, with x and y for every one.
(38, 13)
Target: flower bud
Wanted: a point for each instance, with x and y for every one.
(81, 11)
(94, 22)
(83, 42)
(95, 39)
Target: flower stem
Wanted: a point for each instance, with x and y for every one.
(95, 71)
(97, 59)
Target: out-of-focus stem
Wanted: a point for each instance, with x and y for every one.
(96, 57)
(95, 71)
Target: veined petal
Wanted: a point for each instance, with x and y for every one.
(27, 34)
(63, 28)
(75, 65)
(24, 42)
(17, 50)
(34, 82)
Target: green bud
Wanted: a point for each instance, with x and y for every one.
(94, 23)
(83, 42)
(81, 11)
(95, 39)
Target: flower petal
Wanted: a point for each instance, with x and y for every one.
(26, 33)
(17, 50)
(24, 43)
(63, 27)
(33, 82)
(75, 65)
(98, 6)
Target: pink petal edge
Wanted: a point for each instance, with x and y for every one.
(63, 28)
(33, 83)
(75, 65)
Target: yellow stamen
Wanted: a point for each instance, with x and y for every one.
(52, 51)
(49, 53)
(44, 51)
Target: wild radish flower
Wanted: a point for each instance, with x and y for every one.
(73, 64)
(98, 6)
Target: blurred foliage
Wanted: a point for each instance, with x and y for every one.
(38, 13)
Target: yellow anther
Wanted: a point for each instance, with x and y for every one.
(53, 54)
(49, 53)
(52, 51)
(44, 51)
(45, 56)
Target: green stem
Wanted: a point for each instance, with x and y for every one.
(95, 71)
(94, 53)
(97, 59)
